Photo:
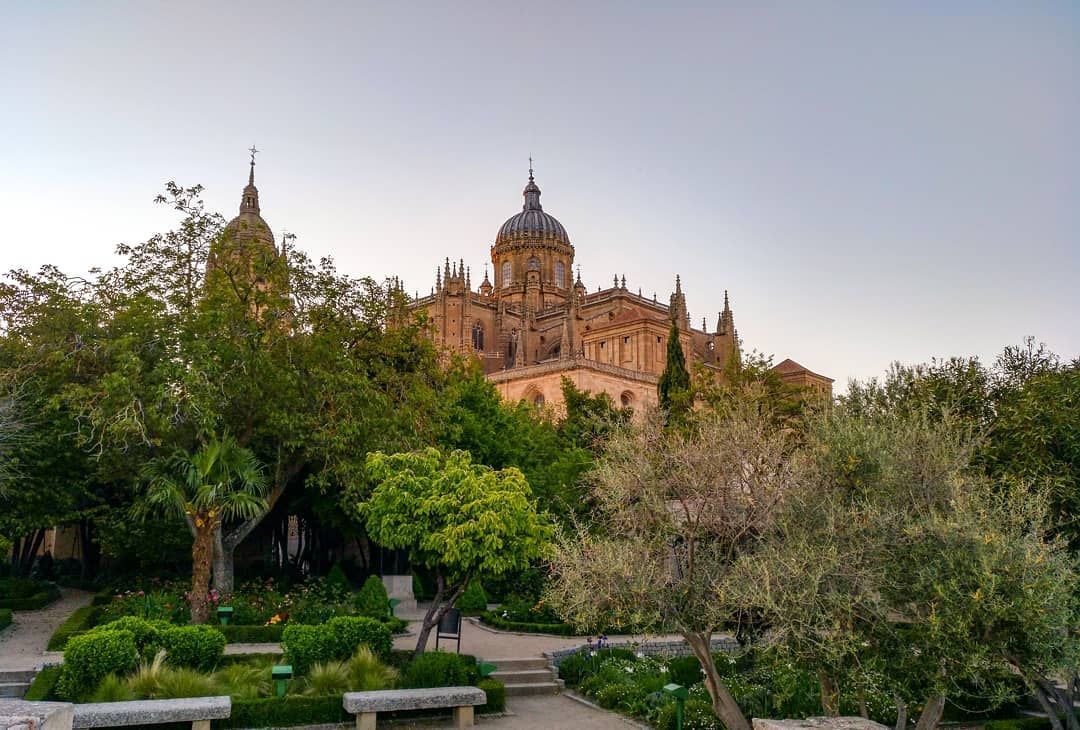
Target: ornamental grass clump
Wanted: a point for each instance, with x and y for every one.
(367, 673)
(244, 681)
(327, 678)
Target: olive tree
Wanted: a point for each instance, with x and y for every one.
(675, 509)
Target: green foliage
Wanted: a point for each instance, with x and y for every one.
(495, 619)
(89, 658)
(112, 689)
(347, 633)
(145, 682)
(589, 418)
(421, 590)
(244, 680)
(185, 682)
(235, 634)
(147, 633)
(575, 667)
(1022, 723)
(372, 600)
(292, 710)
(473, 601)
(5, 618)
(367, 672)
(676, 395)
(698, 715)
(496, 695)
(454, 517)
(327, 678)
(436, 669)
(685, 670)
(195, 647)
(26, 594)
(337, 581)
(43, 688)
(305, 645)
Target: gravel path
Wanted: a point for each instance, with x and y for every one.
(22, 645)
(553, 712)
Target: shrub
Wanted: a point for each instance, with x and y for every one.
(304, 645)
(496, 695)
(685, 670)
(1021, 723)
(195, 647)
(367, 673)
(698, 715)
(577, 666)
(5, 618)
(184, 682)
(89, 658)
(146, 680)
(147, 633)
(435, 669)
(252, 634)
(44, 685)
(77, 623)
(285, 712)
(336, 582)
(496, 620)
(372, 599)
(327, 678)
(473, 601)
(346, 633)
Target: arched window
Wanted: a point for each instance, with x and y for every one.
(478, 336)
(626, 399)
(560, 274)
(538, 400)
(506, 273)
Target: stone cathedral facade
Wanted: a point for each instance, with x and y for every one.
(537, 322)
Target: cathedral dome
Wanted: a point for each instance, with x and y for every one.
(532, 222)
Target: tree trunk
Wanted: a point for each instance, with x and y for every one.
(724, 705)
(930, 717)
(901, 713)
(830, 694)
(201, 551)
(223, 565)
(438, 609)
(1047, 695)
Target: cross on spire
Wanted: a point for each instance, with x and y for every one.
(253, 152)
(530, 168)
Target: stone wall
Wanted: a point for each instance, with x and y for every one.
(649, 648)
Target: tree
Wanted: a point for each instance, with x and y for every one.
(675, 509)
(220, 481)
(589, 418)
(676, 396)
(892, 557)
(459, 519)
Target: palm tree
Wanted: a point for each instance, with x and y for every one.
(219, 482)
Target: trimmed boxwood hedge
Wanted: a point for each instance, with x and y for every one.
(43, 687)
(496, 695)
(81, 621)
(5, 618)
(1020, 723)
(39, 600)
(252, 634)
(285, 711)
(496, 621)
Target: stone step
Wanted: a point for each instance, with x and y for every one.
(524, 676)
(519, 664)
(13, 689)
(17, 675)
(533, 688)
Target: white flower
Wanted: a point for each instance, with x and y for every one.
(640, 655)
(629, 670)
(592, 653)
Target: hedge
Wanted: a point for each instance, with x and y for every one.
(5, 618)
(496, 695)
(43, 688)
(1019, 723)
(284, 712)
(496, 621)
(102, 597)
(32, 603)
(90, 657)
(252, 634)
(81, 621)
(196, 647)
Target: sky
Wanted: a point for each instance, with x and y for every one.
(871, 182)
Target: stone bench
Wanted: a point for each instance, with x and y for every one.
(367, 705)
(199, 711)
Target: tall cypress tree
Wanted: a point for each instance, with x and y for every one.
(674, 387)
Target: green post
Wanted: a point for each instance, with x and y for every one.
(680, 694)
(224, 614)
(281, 673)
(393, 602)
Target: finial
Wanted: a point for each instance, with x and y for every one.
(530, 169)
(251, 175)
(578, 274)
(438, 277)
(678, 284)
(727, 306)
(624, 281)
(616, 282)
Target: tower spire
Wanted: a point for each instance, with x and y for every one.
(249, 202)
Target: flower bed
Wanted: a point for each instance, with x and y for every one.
(518, 614)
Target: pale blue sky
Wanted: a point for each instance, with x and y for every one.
(870, 181)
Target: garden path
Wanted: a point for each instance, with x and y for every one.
(555, 712)
(22, 645)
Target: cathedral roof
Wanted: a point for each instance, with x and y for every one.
(248, 225)
(532, 222)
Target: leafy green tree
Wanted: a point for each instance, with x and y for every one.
(458, 519)
(220, 481)
(589, 418)
(676, 396)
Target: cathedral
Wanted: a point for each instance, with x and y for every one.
(537, 323)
